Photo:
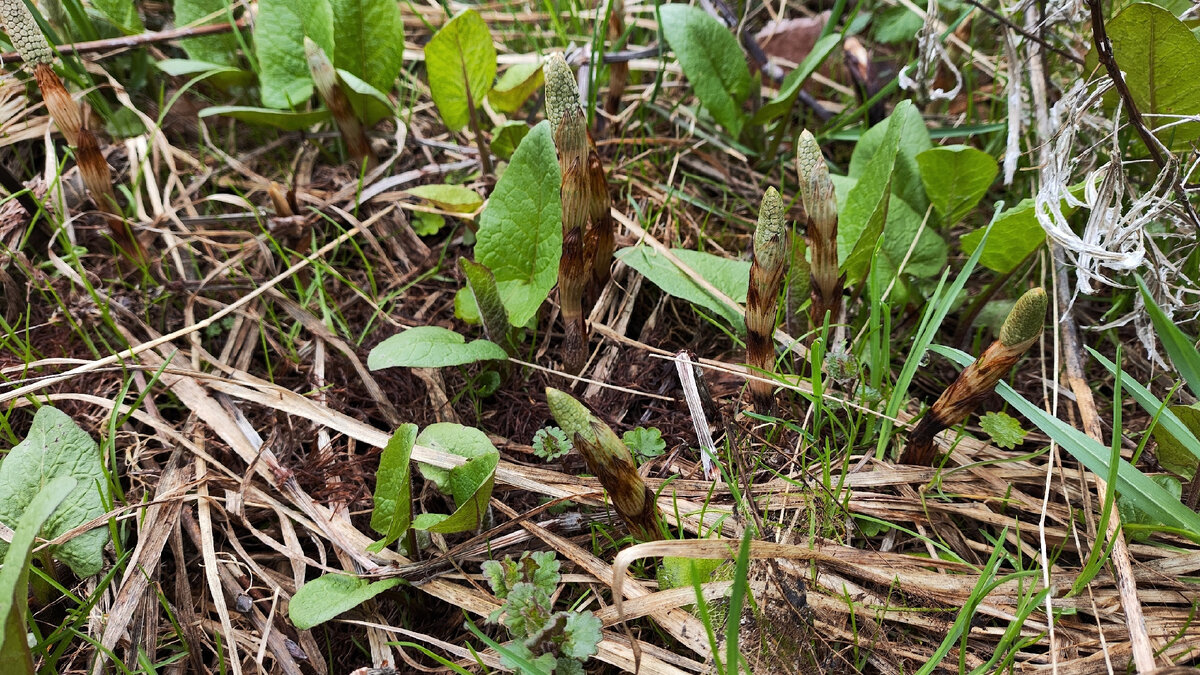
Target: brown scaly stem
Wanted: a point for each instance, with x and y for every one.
(1020, 330)
(771, 253)
(326, 80)
(608, 457)
(588, 232)
(1106, 57)
(820, 203)
(27, 37)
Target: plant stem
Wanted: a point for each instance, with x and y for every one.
(485, 152)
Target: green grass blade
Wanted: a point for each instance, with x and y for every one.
(936, 309)
(1167, 419)
(1179, 347)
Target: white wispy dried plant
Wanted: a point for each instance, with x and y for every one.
(930, 53)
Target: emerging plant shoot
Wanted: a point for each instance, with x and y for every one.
(31, 44)
(588, 237)
(330, 89)
(1020, 330)
(771, 253)
(816, 189)
(608, 457)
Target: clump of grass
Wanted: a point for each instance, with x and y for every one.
(766, 277)
(1020, 330)
(588, 236)
(35, 50)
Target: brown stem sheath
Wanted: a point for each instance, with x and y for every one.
(771, 253)
(1020, 330)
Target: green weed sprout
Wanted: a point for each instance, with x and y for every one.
(556, 642)
(330, 89)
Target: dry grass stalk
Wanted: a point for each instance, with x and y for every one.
(611, 461)
(771, 253)
(326, 80)
(29, 41)
(1020, 330)
(816, 189)
(588, 234)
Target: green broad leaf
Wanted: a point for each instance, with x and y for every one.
(515, 86)
(731, 277)
(461, 61)
(1137, 488)
(1133, 514)
(364, 96)
(185, 67)
(782, 103)
(55, 447)
(1004, 429)
(279, 33)
(582, 636)
(683, 572)
(914, 139)
(712, 60)
(928, 256)
(1015, 234)
(329, 595)
(488, 305)
(286, 120)
(391, 514)
(470, 484)
(122, 14)
(465, 307)
(368, 37)
(453, 198)
(222, 48)
(891, 25)
(507, 137)
(431, 347)
(861, 221)
(645, 442)
(15, 657)
(427, 224)
(956, 178)
(1180, 348)
(1159, 56)
(1173, 453)
(520, 229)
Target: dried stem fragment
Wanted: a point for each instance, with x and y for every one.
(608, 457)
(771, 252)
(1020, 330)
(588, 235)
(820, 203)
(618, 73)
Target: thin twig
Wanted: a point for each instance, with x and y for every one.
(1024, 33)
